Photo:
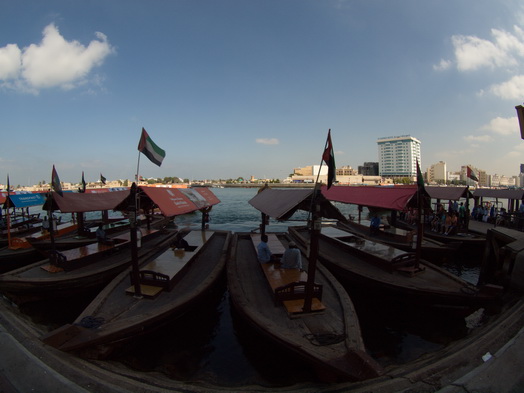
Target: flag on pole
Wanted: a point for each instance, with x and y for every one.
(471, 173)
(150, 149)
(83, 189)
(329, 159)
(55, 182)
(420, 178)
(102, 179)
(520, 114)
(8, 187)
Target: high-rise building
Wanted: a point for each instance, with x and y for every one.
(398, 156)
(437, 172)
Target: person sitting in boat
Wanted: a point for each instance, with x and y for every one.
(180, 242)
(374, 225)
(451, 225)
(292, 259)
(45, 225)
(101, 236)
(263, 251)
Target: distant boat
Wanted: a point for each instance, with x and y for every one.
(171, 283)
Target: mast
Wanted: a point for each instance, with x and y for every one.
(133, 236)
(313, 249)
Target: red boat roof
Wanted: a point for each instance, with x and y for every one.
(390, 198)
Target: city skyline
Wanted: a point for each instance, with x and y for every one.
(250, 89)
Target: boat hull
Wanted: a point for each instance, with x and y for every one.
(252, 297)
(364, 271)
(125, 316)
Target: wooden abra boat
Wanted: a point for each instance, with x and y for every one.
(381, 270)
(169, 284)
(79, 269)
(272, 300)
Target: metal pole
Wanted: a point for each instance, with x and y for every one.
(133, 237)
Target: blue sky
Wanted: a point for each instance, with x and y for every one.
(250, 88)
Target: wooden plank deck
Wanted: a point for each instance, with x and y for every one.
(160, 272)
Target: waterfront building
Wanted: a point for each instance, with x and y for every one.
(437, 173)
(453, 176)
(305, 171)
(368, 169)
(398, 156)
(346, 170)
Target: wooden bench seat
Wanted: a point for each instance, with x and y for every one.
(161, 272)
(80, 256)
(288, 285)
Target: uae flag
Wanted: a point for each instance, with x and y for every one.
(420, 178)
(83, 189)
(471, 174)
(150, 149)
(55, 182)
(520, 114)
(102, 179)
(329, 158)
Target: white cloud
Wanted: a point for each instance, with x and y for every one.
(510, 90)
(54, 62)
(478, 138)
(268, 141)
(473, 53)
(502, 126)
(10, 61)
(443, 65)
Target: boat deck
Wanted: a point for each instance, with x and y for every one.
(379, 250)
(160, 273)
(288, 285)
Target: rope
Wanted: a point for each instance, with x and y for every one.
(325, 338)
(91, 322)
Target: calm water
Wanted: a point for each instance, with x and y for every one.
(213, 345)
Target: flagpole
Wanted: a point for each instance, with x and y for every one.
(137, 168)
(318, 176)
(8, 216)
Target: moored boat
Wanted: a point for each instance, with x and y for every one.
(170, 284)
(79, 269)
(381, 270)
(328, 337)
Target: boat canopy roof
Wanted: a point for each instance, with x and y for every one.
(281, 204)
(449, 193)
(388, 198)
(498, 193)
(24, 200)
(170, 201)
(177, 201)
(76, 202)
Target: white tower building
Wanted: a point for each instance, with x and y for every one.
(398, 156)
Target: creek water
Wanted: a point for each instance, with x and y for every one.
(211, 344)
